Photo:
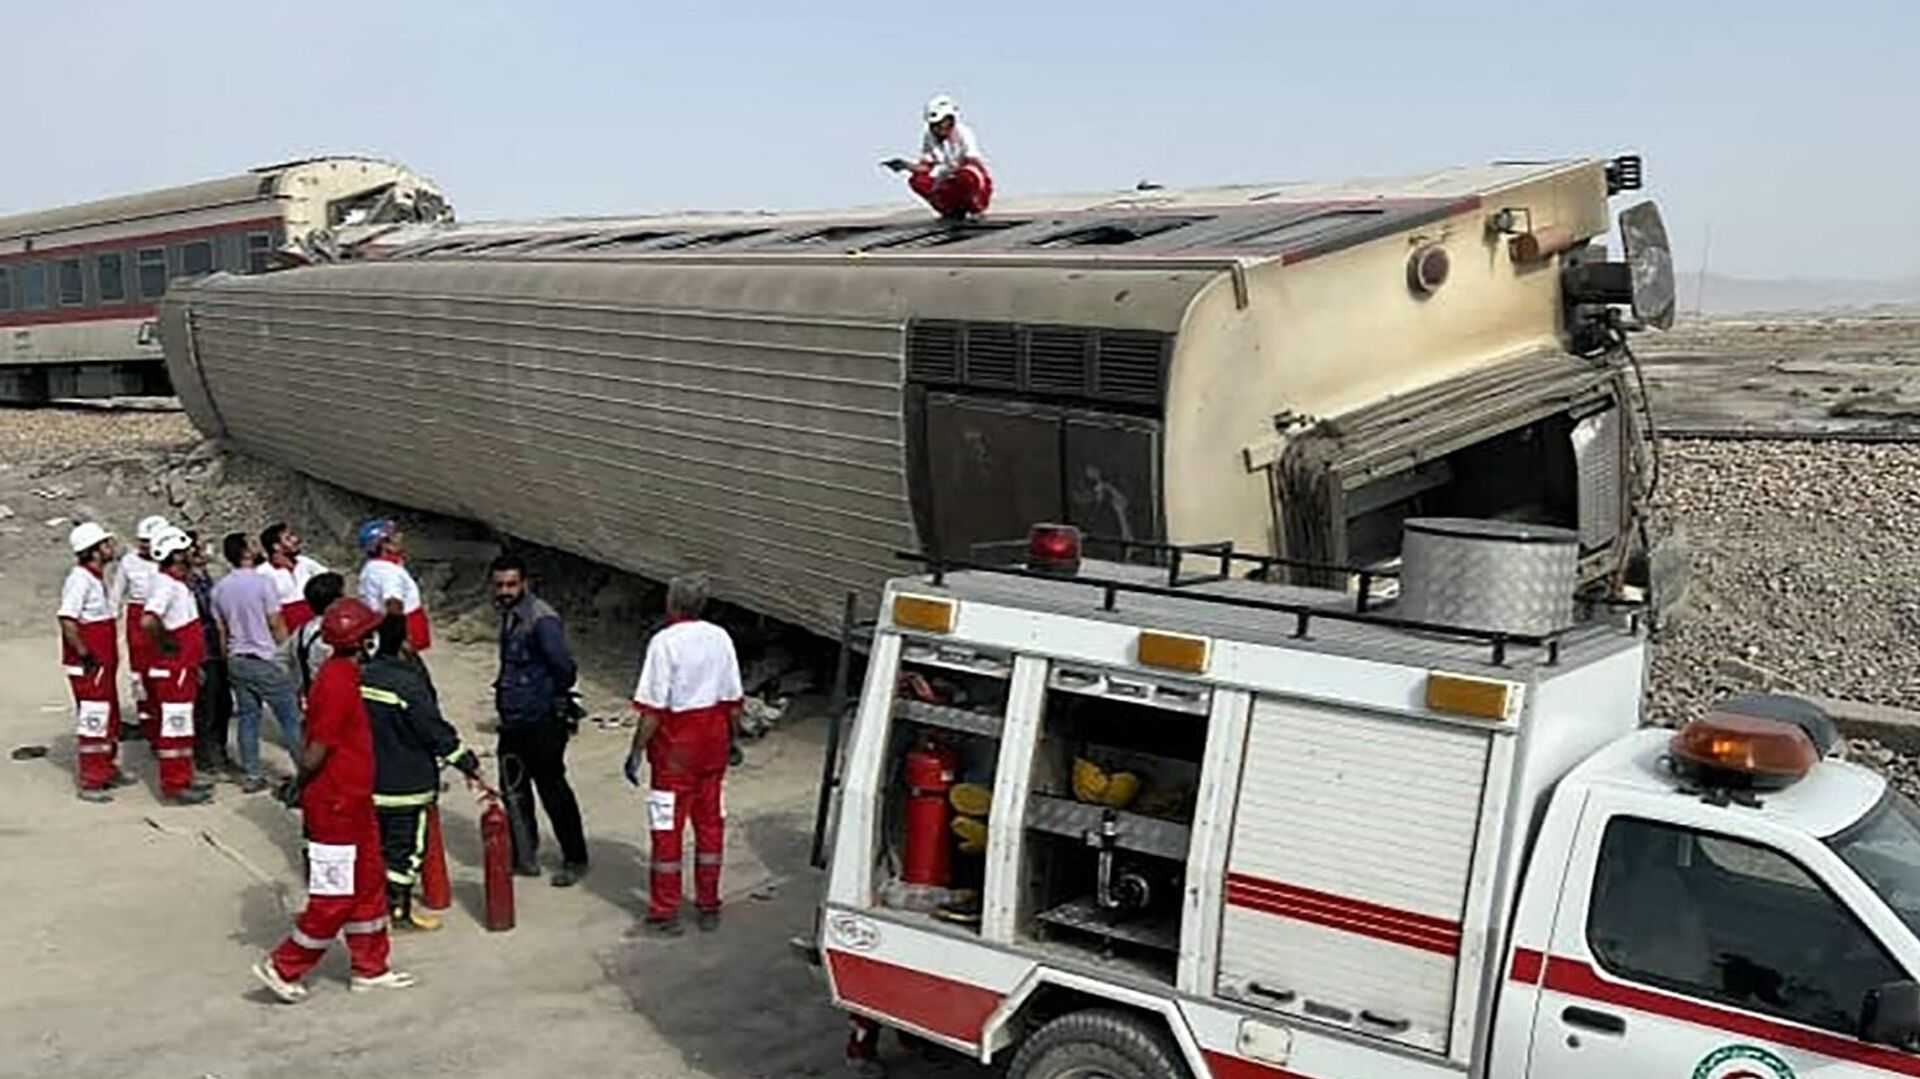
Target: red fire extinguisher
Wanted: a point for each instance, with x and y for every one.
(436, 890)
(926, 858)
(497, 856)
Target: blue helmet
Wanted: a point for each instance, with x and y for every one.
(375, 532)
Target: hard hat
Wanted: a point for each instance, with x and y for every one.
(86, 536)
(375, 532)
(167, 543)
(347, 623)
(941, 107)
(149, 527)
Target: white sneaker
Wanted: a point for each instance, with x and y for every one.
(288, 992)
(392, 979)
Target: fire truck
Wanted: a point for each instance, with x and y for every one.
(1162, 818)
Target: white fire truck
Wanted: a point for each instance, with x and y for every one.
(1203, 825)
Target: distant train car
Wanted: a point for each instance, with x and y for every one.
(788, 399)
(78, 284)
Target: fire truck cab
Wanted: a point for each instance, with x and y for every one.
(1202, 825)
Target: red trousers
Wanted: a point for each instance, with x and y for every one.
(96, 707)
(173, 688)
(139, 660)
(965, 190)
(674, 800)
(346, 893)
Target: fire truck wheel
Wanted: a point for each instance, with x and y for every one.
(1098, 1044)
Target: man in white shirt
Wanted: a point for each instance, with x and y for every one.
(688, 695)
(132, 579)
(176, 646)
(290, 569)
(90, 654)
(951, 173)
(385, 584)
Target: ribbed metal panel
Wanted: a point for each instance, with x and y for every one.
(657, 418)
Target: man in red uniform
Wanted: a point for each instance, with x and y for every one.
(385, 583)
(290, 570)
(951, 174)
(688, 694)
(132, 579)
(176, 647)
(91, 657)
(346, 875)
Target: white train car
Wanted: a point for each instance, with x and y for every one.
(79, 284)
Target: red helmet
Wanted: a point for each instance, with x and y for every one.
(347, 622)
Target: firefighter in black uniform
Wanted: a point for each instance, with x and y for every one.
(411, 740)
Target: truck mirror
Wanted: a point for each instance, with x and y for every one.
(1650, 260)
(1891, 1015)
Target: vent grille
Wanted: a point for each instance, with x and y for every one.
(933, 352)
(1131, 365)
(1045, 361)
(1057, 359)
(993, 356)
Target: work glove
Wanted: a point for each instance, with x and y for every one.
(631, 769)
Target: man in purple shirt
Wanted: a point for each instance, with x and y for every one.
(247, 605)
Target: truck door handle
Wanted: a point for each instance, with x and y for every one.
(1598, 1022)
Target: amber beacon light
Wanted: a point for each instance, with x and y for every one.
(1723, 749)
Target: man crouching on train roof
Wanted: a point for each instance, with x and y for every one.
(950, 174)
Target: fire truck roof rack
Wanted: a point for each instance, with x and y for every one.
(1303, 614)
(1174, 556)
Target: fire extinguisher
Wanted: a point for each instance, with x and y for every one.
(497, 855)
(926, 858)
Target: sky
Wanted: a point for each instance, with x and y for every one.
(1782, 139)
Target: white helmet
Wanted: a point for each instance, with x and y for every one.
(86, 536)
(150, 528)
(169, 542)
(941, 107)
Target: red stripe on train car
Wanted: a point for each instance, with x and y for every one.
(77, 314)
(143, 239)
(949, 1008)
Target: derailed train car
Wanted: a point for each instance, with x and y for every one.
(787, 400)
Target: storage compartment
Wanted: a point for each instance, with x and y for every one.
(948, 712)
(1109, 814)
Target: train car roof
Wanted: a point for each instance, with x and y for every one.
(1288, 220)
(251, 186)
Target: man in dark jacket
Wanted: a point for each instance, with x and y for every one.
(411, 740)
(538, 713)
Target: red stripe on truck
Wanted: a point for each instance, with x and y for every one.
(942, 1006)
(1357, 916)
(1578, 978)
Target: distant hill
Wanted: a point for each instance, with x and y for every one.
(1739, 295)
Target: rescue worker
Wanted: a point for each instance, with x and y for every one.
(346, 885)
(950, 174)
(688, 695)
(538, 715)
(176, 643)
(385, 584)
(132, 579)
(411, 739)
(290, 570)
(307, 649)
(90, 655)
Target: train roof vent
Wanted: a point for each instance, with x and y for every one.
(628, 239)
(712, 239)
(942, 233)
(1130, 365)
(933, 351)
(993, 355)
(1300, 231)
(1114, 233)
(1059, 359)
(832, 235)
(481, 246)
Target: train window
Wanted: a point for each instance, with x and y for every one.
(259, 252)
(1301, 231)
(832, 234)
(196, 257)
(73, 283)
(33, 285)
(110, 270)
(153, 272)
(6, 289)
(626, 239)
(713, 239)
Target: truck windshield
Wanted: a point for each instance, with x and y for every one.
(1884, 848)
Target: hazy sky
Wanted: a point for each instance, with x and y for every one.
(1793, 129)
